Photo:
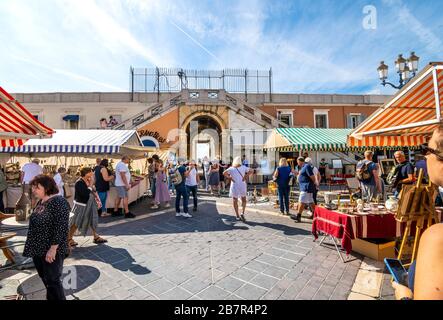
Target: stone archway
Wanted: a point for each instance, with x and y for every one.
(203, 138)
(211, 123)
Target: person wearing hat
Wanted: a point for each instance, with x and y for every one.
(28, 173)
(306, 180)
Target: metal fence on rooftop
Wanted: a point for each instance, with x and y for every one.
(165, 80)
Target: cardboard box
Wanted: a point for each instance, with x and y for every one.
(375, 249)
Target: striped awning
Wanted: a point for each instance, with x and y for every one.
(308, 139)
(17, 124)
(409, 118)
(83, 142)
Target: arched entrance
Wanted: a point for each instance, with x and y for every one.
(203, 138)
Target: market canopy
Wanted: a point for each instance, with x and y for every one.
(85, 142)
(17, 124)
(409, 118)
(307, 139)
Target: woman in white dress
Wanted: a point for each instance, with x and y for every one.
(238, 175)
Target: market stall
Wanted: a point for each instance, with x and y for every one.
(17, 124)
(409, 118)
(369, 224)
(73, 149)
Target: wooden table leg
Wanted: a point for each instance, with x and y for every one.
(8, 253)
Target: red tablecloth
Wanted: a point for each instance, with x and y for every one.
(334, 223)
(348, 227)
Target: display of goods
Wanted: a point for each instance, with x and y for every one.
(12, 173)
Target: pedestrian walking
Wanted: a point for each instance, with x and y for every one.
(85, 209)
(123, 185)
(222, 184)
(162, 195)
(47, 239)
(178, 179)
(206, 170)
(317, 176)
(102, 179)
(214, 178)
(192, 182)
(306, 180)
(282, 177)
(238, 175)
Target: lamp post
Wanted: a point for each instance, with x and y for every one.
(406, 70)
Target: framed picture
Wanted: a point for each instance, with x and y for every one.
(337, 164)
(386, 165)
(350, 169)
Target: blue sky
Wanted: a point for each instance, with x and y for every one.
(316, 46)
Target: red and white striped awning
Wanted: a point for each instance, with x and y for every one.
(17, 124)
(409, 118)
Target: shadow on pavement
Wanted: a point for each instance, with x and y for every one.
(118, 258)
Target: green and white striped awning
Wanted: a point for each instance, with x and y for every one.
(312, 139)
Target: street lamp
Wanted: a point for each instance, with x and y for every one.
(406, 70)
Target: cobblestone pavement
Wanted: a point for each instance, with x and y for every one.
(210, 256)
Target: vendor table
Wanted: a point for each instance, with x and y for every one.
(12, 194)
(349, 226)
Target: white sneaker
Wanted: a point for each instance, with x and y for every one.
(154, 206)
(167, 205)
(178, 214)
(186, 215)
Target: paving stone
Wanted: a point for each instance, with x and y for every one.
(176, 293)
(178, 277)
(250, 292)
(139, 294)
(264, 281)
(275, 272)
(160, 286)
(256, 266)
(230, 284)
(213, 293)
(244, 274)
(195, 285)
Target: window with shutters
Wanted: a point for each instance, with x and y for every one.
(285, 117)
(354, 120)
(321, 118)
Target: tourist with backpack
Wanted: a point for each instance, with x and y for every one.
(367, 174)
(178, 179)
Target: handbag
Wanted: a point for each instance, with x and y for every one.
(67, 191)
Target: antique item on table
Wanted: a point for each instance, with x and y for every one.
(391, 204)
(374, 208)
(23, 207)
(329, 196)
(49, 170)
(360, 205)
(12, 173)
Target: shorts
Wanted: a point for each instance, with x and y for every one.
(306, 197)
(122, 192)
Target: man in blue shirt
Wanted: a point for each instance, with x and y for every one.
(182, 192)
(306, 181)
(405, 173)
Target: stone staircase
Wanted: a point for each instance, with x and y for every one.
(201, 97)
